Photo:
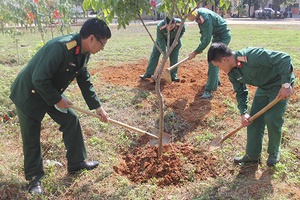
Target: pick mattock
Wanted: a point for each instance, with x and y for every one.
(165, 140)
(217, 142)
(167, 73)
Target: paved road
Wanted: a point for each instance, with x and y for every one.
(245, 21)
(295, 20)
(263, 21)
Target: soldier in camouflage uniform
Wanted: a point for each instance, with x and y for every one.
(161, 40)
(272, 73)
(38, 90)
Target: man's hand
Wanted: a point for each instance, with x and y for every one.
(245, 120)
(102, 113)
(193, 55)
(285, 93)
(63, 103)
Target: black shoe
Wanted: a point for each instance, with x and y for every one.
(35, 187)
(219, 83)
(82, 165)
(206, 95)
(145, 76)
(273, 159)
(246, 159)
(175, 79)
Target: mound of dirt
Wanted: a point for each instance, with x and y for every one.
(178, 164)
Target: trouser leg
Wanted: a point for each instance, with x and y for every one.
(153, 61)
(213, 78)
(213, 71)
(174, 59)
(272, 119)
(72, 134)
(30, 131)
(274, 122)
(255, 131)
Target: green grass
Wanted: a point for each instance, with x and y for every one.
(105, 142)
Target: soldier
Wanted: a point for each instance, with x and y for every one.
(161, 40)
(272, 73)
(38, 90)
(212, 27)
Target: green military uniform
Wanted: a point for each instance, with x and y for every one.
(212, 27)
(36, 90)
(161, 40)
(267, 70)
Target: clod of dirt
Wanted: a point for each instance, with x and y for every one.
(179, 163)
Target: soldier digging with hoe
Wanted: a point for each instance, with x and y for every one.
(272, 73)
(212, 28)
(161, 41)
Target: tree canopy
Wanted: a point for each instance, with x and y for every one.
(127, 10)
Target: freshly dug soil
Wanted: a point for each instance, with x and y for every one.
(179, 163)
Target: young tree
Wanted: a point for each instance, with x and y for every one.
(126, 11)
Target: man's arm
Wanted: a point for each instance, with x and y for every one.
(206, 35)
(182, 32)
(87, 90)
(241, 94)
(51, 59)
(160, 38)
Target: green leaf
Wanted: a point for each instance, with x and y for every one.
(86, 5)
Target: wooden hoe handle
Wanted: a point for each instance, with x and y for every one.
(173, 66)
(113, 121)
(251, 119)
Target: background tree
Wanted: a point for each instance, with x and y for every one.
(12, 15)
(278, 3)
(263, 3)
(224, 5)
(37, 14)
(254, 3)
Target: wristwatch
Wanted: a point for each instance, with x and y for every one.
(286, 85)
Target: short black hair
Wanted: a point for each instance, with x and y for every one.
(218, 50)
(167, 20)
(96, 27)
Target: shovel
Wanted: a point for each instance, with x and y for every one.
(165, 140)
(217, 142)
(167, 73)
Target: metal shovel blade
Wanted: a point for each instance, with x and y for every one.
(166, 139)
(215, 143)
(167, 75)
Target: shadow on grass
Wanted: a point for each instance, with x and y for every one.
(250, 183)
(13, 189)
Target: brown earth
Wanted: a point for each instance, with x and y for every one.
(183, 97)
(180, 161)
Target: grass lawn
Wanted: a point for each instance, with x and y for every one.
(106, 143)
